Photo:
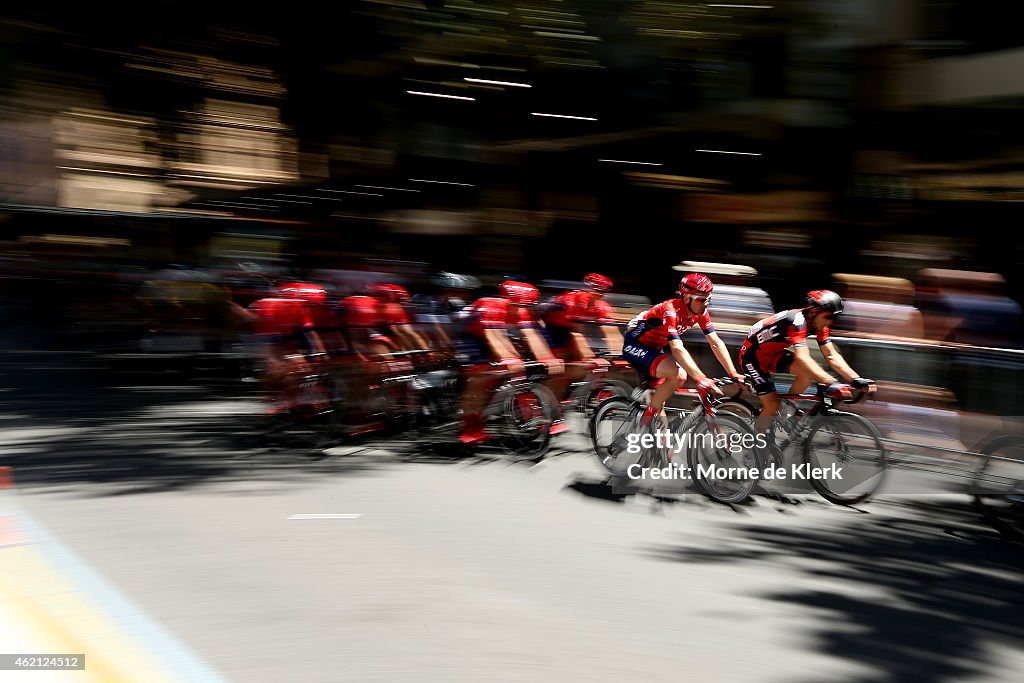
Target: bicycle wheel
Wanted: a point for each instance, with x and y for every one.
(605, 390)
(610, 428)
(846, 461)
(738, 407)
(998, 486)
(525, 427)
(318, 422)
(722, 459)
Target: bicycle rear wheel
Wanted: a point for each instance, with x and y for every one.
(319, 421)
(852, 460)
(738, 407)
(610, 428)
(526, 418)
(720, 461)
(998, 486)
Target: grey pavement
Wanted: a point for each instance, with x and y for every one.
(479, 569)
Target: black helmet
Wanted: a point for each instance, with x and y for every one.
(826, 300)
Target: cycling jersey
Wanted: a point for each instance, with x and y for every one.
(665, 322)
(771, 336)
(765, 350)
(572, 308)
(282, 321)
(489, 313)
(495, 313)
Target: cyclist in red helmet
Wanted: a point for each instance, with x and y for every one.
(778, 343)
(394, 318)
(653, 342)
(486, 339)
(286, 326)
(564, 316)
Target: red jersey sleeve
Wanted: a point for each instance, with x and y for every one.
(394, 314)
(824, 336)
(525, 320)
(796, 335)
(670, 316)
(601, 313)
(705, 324)
(491, 313)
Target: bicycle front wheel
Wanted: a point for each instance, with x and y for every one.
(722, 459)
(998, 486)
(846, 461)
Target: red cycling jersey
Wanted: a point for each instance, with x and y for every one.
(494, 313)
(281, 321)
(666, 322)
(575, 307)
(393, 314)
(771, 336)
(361, 312)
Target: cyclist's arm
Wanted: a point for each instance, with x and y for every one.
(612, 339)
(414, 341)
(499, 343)
(315, 343)
(685, 360)
(836, 361)
(721, 352)
(541, 351)
(802, 358)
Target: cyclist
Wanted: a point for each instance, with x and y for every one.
(394, 318)
(563, 317)
(486, 339)
(440, 314)
(286, 324)
(653, 342)
(778, 343)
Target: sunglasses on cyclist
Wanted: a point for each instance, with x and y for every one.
(702, 299)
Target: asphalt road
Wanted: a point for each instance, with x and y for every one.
(434, 568)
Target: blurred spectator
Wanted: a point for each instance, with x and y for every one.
(879, 306)
(968, 307)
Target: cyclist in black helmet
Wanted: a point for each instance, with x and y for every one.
(778, 343)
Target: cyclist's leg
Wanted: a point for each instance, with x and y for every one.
(480, 377)
(665, 368)
(653, 364)
(763, 385)
(802, 377)
(560, 341)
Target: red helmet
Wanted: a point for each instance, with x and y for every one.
(311, 294)
(597, 282)
(521, 293)
(695, 283)
(389, 292)
(825, 299)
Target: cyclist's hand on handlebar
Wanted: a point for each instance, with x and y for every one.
(513, 366)
(709, 386)
(839, 390)
(555, 366)
(866, 385)
(739, 377)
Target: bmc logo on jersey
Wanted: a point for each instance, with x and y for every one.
(754, 373)
(765, 335)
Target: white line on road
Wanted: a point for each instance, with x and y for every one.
(325, 516)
